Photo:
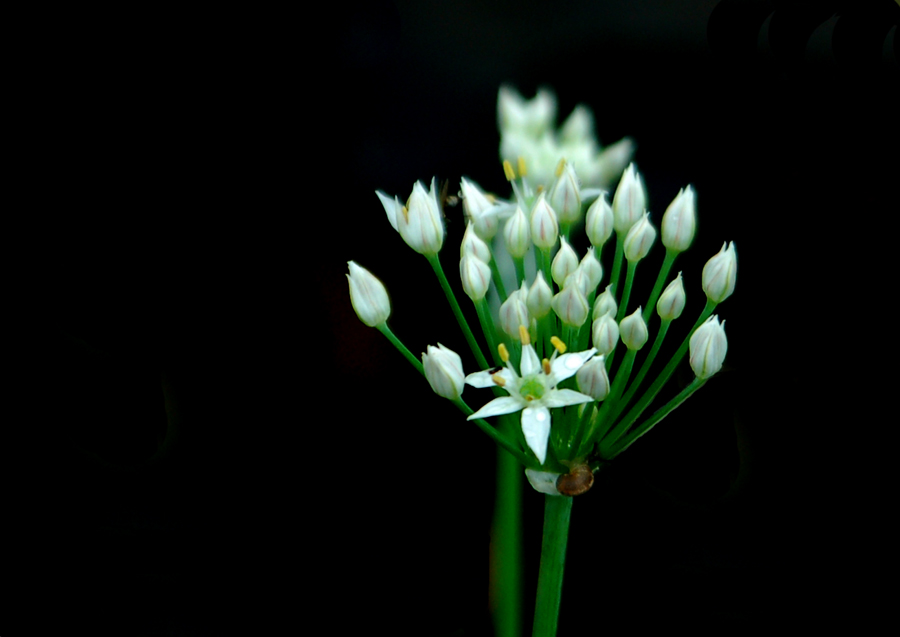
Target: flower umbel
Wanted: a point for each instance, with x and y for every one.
(532, 391)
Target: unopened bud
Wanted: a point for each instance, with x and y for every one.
(571, 306)
(540, 296)
(720, 274)
(679, 221)
(605, 333)
(544, 225)
(639, 239)
(629, 201)
(475, 275)
(605, 303)
(633, 330)
(592, 378)
(443, 370)
(517, 233)
(671, 301)
(368, 296)
(598, 223)
(708, 347)
(564, 263)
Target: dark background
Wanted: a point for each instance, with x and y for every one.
(194, 185)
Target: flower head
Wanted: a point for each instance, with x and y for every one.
(533, 390)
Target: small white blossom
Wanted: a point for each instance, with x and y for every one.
(532, 391)
(719, 274)
(368, 296)
(708, 347)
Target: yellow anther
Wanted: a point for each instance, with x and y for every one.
(546, 365)
(498, 380)
(508, 170)
(558, 344)
(504, 353)
(405, 212)
(560, 166)
(523, 335)
(523, 170)
(539, 189)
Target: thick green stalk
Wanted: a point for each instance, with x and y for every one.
(557, 514)
(505, 581)
(658, 415)
(457, 312)
(487, 325)
(415, 362)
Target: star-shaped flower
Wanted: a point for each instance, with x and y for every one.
(533, 391)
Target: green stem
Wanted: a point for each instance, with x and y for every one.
(658, 286)
(661, 380)
(498, 280)
(617, 262)
(415, 362)
(658, 415)
(626, 290)
(557, 514)
(520, 271)
(506, 544)
(645, 367)
(457, 312)
(487, 325)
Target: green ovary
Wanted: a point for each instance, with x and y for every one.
(531, 389)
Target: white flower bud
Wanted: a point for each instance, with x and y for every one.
(539, 297)
(571, 306)
(564, 263)
(593, 271)
(543, 481)
(671, 301)
(420, 224)
(605, 333)
(629, 201)
(443, 369)
(639, 239)
(605, 303)
(565, 197)
(368, 296)
(516, 114)
(679, 221)
(708, 346)
(592, 378)
(633, 330)
(579, 126)
(613, 159)
(513, 313)
(544, 226)
(720, 274)
(474, 245)
(598, 223)
(517, 233)
(475, 275)
(479, 209)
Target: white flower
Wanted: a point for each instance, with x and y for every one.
(533, 391)
(368, 296)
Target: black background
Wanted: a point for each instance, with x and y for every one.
(194, 185)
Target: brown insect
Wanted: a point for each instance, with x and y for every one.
(579, 480)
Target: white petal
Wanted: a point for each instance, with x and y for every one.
(486, 378)
(566, 365)
(530, 363)
(536, 427)
(391, 207)
(498, 407)
(564, 398)
(543, 481)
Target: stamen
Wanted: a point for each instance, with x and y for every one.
(405, 213)
(529, 397)
(560, 167)
(546, 365)
(508, 170)
(522, 168)
(504, 353)
(523, 335)
(558, 344)
(539, 189)
(498, 380)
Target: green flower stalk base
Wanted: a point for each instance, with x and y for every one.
(565, 399)
(557, 514)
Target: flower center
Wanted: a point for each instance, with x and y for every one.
(532, 388)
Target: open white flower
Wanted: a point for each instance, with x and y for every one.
(533, 391)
